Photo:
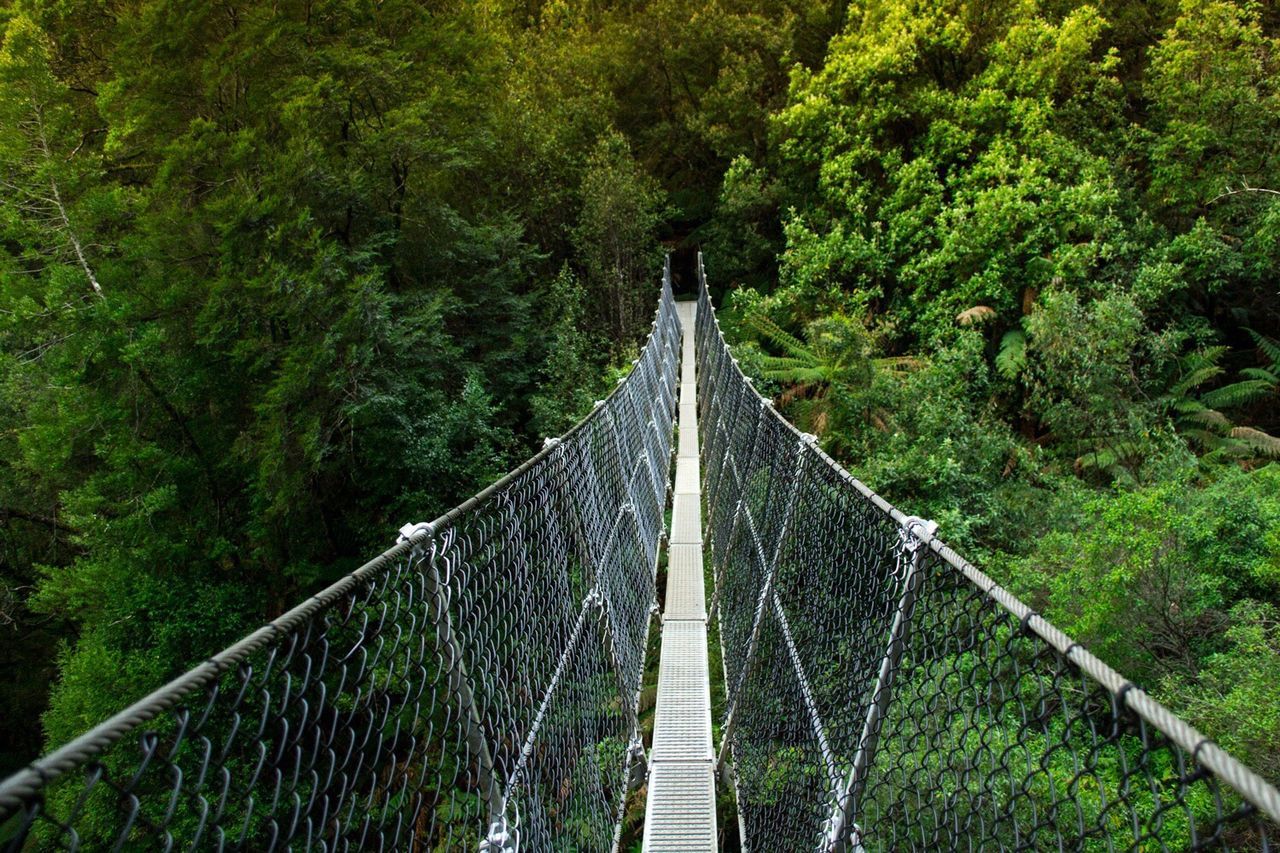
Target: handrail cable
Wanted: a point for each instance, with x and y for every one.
(476, 684)
(961, 717)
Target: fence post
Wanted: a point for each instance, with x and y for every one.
(842, 832)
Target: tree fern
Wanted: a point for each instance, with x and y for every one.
(1115, 458)
(1012, 356)
(832, 362)
(1198, 417)
(1259, 382)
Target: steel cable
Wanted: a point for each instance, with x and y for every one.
(474, 686)
(882, 693)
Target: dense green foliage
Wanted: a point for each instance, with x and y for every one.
(277, 278)
(1055, 224)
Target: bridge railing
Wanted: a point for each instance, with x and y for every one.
(883, 693)
(474, 686)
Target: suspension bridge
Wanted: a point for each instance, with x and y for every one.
(480, 684)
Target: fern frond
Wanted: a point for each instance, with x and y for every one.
(1262, 374)
(1207, 439)
(1238, 393)
(976, 314)
(786, 341)
(1105, 458)
(1196, 378)
(900, 364)
(1012, 356)
(1098, 459)
(799, 375)
(1263, 443)
(781, 362)
(1206, 417)
(1269, 347)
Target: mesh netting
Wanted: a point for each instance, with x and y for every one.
(882, 693)
(476, 685)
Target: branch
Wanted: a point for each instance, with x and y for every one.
(84, 138)
(1244, 188)
(8, 512)
(184, 428)
(62, 209)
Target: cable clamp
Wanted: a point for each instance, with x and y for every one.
(916, 532)
(639, 767)
(418, 533)
(842, 837)
(501, 838)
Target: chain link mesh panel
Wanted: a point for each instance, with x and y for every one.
(474, 686)
(884, 694)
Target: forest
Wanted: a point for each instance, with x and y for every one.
(277, 278)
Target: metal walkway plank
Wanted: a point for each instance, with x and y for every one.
(687, 476)
(688, 444)
(686, 588)
(686, 519)
(682, 731)
(680, 813)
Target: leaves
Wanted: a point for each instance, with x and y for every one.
(976, 314)
(323, 238)
(1012, 356)
(1031, 197)
(1258, 441)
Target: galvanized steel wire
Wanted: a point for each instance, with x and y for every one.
(882, 693)
(477, 685)
(474, 686)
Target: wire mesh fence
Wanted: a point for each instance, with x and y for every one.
(882, 693)
(475, 686)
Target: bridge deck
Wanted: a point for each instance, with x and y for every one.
(681, 810)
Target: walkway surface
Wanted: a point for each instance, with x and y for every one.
(681, 810)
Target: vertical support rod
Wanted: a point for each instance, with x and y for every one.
(766, 590)
(844, 809)
(459, 684)
(710, 419)
(720, 561)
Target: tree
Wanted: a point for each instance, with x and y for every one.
(825, 375)
(1213, 88)
(616, 238)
